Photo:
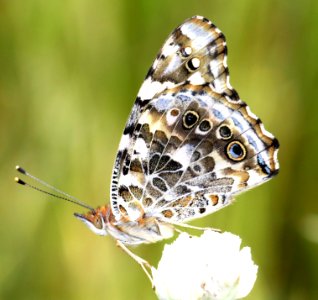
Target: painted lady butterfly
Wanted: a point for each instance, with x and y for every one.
(189, 145)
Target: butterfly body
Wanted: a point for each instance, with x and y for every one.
(190, 143)
(146, 229)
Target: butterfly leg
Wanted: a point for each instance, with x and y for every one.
(184, 225)
(143, 263)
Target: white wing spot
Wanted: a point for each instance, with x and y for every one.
(172, 116)
(195, 62)
(187, 51)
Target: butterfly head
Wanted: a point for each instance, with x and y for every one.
(95, 220)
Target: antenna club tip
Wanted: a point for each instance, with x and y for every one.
(18, 180)
(21, 170)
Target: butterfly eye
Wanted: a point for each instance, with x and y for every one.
(236, 151)
(225, 132)
(193, 64)
(98, 223)
(190, 118)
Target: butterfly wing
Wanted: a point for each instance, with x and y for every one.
(190, 142)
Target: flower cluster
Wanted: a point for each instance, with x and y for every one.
(211, 266)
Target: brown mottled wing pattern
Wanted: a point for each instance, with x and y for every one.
(190, 142)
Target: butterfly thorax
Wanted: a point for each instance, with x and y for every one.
(142, 230)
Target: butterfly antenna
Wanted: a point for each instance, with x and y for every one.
(63, 195)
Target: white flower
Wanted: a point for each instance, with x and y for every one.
(211, 266)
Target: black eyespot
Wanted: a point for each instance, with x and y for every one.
(190, 118)
(225, 132)
(236, 151)
(205, 125)
(193, 64)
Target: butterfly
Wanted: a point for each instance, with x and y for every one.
(190, 143)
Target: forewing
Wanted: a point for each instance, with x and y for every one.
(173, 162)
(176, 64)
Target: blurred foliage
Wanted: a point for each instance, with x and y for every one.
(69, 72)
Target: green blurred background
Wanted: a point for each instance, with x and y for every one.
(69, 73)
